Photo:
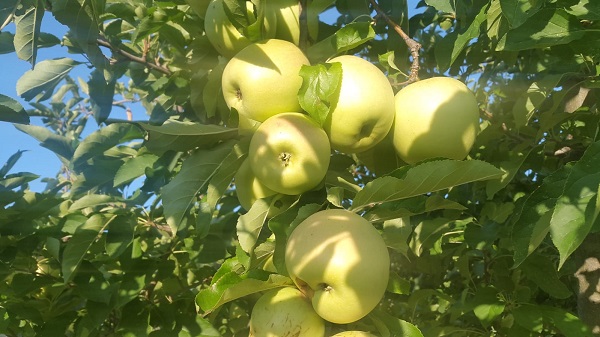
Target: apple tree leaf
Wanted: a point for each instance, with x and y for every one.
(7, 8)
(486, 305)
(348, 37)
(519, 11)
(575, 211)
(542, 271)
(133, 168)
(389, 325)
(250, 224)
(60, 145)
(446, 6)
(42, 79)
(184, 136)
(12, 111)
(585, 10)
(419, 179)
(531, 100)
(320, 86)
(28, 31)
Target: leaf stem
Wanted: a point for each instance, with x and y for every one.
(412, 45)
(134, 58)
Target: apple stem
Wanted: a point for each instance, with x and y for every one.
(412, 45)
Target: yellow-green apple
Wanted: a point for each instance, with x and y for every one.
(288, 20)
(436, 117)
(224, 36)
(354, 334)
(341, 262)
(382, 158)
(364, 111)
(285, 312)
(248, 188)
(289, 153)
(263, 79)
(199, 6)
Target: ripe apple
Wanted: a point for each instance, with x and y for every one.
(289, 153)
(353, 334)
(364, 111)
(382, 158)
(285, 312)
(436, 117)
(199, 6)
(341, 262)
(224, 36)
(263, 79)
(248, 188)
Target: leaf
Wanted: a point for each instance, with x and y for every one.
(393, 326)
(585, 10)
(12, 111)
(348, 37)
(409, 207)
(60, 145)
(445, 6)
(510, 167)
(232, 286)
(396, 233)
(222, 179)
(15, 180)
(101, 95)
(486, 305)
(548, 27)
(81, 16)
(320, 87)
(91, 200)
(134, 168)
(180, 193)
(79, 244)
(531, 100)
(573, 216)
(250, 224)
(119, 235)
(10, 163)
(426, 233)
(519, 11)
(7, 8)
(531, 223)
(450, 47)
(27, 32)
(102, 140)
(44, 77)
(184, 136)
(542, 271)
(423, 178)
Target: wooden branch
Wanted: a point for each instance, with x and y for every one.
(134, 58)
(412, 45)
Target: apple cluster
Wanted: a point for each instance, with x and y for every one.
(338, 261)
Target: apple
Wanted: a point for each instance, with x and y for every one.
(247, 126)
(288, 20)
(364, 111)
(354, 334)
(224, 36)
(382, 158)
(285, 312)
(340, 261)
(436, 117)
(263, 79)
(248, 188)
(199, 6)
(289, 153)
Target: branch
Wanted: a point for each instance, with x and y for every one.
(303, 20)
(412, 45)
(134, 58)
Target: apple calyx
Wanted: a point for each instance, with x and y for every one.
(285, 158)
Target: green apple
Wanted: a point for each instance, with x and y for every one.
(364, 111)
(436, 117)
(285, 312)
(199, 6)
(263, 79)
(382, 158)
(341, 262)
(289, 153)
(224, 36)
(353, 334)
(248, 188)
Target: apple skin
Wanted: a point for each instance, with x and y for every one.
(199, 6)
(263, 79)
(341, 262)
(354, 334)
(285, 312)
(248, 188)
(247, 126)
(289, 153)
(436, 117)
(224, 36)
(364, 112)
(382, 158)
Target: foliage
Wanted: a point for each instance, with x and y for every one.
(138, 233)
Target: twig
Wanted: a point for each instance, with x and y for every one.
(134, 58)
(303, 20)
(412, 45)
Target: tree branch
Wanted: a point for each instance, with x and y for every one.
(303, 20)
(134, 58)
(412, 45)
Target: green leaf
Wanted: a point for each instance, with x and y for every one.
(250, 224)
(531, 100)
(44, 78)
(574, 213)
(102, 140)
(222, 179)
(60, 145)
(28, 31)
(185, 136)
(320, 86)
(348, 37)
(396, 233)
(585, 10)
(101, 95)
(180, 193)
(134, 168)
(10, 163)
(7, 9)
(548, 27)
(389, 325)
(119, 235)
(423, 178)
(542, 271)
(452, 45)
(15, 180)
(510, 167)
(409, 207)
(91, 200)
(12, 111)
(445, 6)
(81, 16)
(426, 233)
(518, 12)
(486, 305)
(79, 244)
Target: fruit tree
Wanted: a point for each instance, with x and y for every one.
(302, 168)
